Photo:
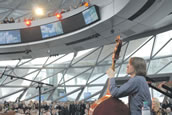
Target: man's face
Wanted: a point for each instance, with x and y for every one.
(130, 69)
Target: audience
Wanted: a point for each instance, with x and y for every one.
(47, 108)
(68, 108)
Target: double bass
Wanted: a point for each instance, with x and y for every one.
(108, 105)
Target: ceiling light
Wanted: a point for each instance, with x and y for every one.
(39, 11)
(59, 16)
(28, 22)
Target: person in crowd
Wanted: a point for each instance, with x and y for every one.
(83, 107)
(54, 112)
(11, 20)
(45, 106)
(168, 111)
(66, 110)
(167, 104)
(136, 87)
(86, 112)
(77, 108)
(5, 20)
(156, 108)
(72, 108)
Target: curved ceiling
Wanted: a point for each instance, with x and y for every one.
(23, 8)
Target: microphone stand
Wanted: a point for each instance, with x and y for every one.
(39, 86)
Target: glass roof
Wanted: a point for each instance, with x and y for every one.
(76, 75)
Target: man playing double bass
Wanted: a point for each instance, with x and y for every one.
(136, 87)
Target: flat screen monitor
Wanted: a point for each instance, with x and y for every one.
(52, 29)
(30, 34)
(10, 37)
(90, 15)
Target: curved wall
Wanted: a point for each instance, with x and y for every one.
(59, 44)
(72, 21)
(49, 30)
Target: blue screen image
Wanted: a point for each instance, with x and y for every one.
(50, 30)
(9, 37)
(90, 15)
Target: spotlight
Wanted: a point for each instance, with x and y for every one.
(59, 16)
(28, 22)
(39, 11)
(86, 4)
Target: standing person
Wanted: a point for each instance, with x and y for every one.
(78, 108)
(136, 87)
(72, 108)
(83, 107)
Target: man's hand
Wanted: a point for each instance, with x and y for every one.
(110, 73)
(160, 85)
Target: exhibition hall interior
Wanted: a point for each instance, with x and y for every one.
(55, 53)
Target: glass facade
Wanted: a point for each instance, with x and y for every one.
(82, 74)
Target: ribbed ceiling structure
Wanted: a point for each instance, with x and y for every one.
(20, 9)
(77, 74)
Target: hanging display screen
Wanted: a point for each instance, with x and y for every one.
(90, 15)
(10, 37)
(50, 30)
